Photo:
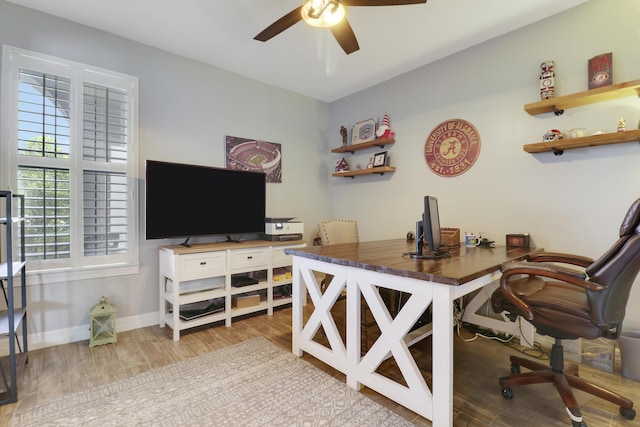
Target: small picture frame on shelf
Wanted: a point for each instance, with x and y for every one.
(363, 131)
(380, 159)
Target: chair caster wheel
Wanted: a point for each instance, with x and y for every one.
(515, 369)
(628, 413)
(578, 424)
(507, 393)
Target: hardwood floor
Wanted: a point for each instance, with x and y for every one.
(60, 370)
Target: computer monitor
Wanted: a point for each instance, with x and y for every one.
(428, 231)
(431, 224)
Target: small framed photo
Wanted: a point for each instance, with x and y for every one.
(363, 131)
(380, 159)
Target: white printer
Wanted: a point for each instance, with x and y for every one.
(282, 229)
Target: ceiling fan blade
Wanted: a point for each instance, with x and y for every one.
(381, 2)
(280, 25)
(345, 36)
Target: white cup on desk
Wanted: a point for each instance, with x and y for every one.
(471, 240)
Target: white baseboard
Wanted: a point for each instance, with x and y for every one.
(81, 333)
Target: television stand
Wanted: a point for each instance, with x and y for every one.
(216, 273)
(232, 240)
(186, 243)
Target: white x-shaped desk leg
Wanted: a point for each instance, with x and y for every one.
(335, 354)
(416, 394)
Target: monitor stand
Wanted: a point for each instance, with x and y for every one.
(430, 255)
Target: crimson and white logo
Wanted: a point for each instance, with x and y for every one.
(452, 148)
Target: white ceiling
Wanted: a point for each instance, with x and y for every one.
(303, 59)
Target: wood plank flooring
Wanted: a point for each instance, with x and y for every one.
(64, 369)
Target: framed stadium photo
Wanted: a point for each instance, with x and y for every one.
(254, 155)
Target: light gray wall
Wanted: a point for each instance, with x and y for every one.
(572, 203)
(186, 109)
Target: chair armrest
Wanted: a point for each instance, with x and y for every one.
(563, 274)
(579, 260)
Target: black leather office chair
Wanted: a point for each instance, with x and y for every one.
(567, 303)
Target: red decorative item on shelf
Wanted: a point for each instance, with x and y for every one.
(384, 131)
(601, 70)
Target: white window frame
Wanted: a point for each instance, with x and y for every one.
(77, 266)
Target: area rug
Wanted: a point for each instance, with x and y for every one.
(254, 383)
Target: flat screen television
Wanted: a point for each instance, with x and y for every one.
(184, 201)
(428, 231)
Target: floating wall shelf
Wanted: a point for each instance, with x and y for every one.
(380, 142)
(380, 169)
(558, 147)
(601, 94)
(560, 103)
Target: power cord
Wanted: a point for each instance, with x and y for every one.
(535, 350)
(482, 333)
(458, 313)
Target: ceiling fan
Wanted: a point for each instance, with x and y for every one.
(328, 14)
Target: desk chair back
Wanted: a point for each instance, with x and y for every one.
(335, 231)
(616, 270)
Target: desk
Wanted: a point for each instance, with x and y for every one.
(364, 267)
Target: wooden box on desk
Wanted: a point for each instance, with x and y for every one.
(518, 240)
(450, 236)
(245, 300)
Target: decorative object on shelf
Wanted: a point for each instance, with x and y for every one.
(380, 159)
(547, 80)
(343, 132)
(577, 133)
(342, 165)
(622, 125)
(552, 135)
(384, 131)
(601, 70)
(452, 148)
(363, 131)
(253, 155)
(370, 164)
(102, 323)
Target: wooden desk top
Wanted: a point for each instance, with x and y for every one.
(386, 256)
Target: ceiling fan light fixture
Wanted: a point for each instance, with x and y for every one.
(323, 13)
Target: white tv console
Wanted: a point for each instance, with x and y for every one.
(204, 272)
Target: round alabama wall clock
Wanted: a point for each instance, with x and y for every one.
(452, 148)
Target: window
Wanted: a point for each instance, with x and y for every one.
(70, 146)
